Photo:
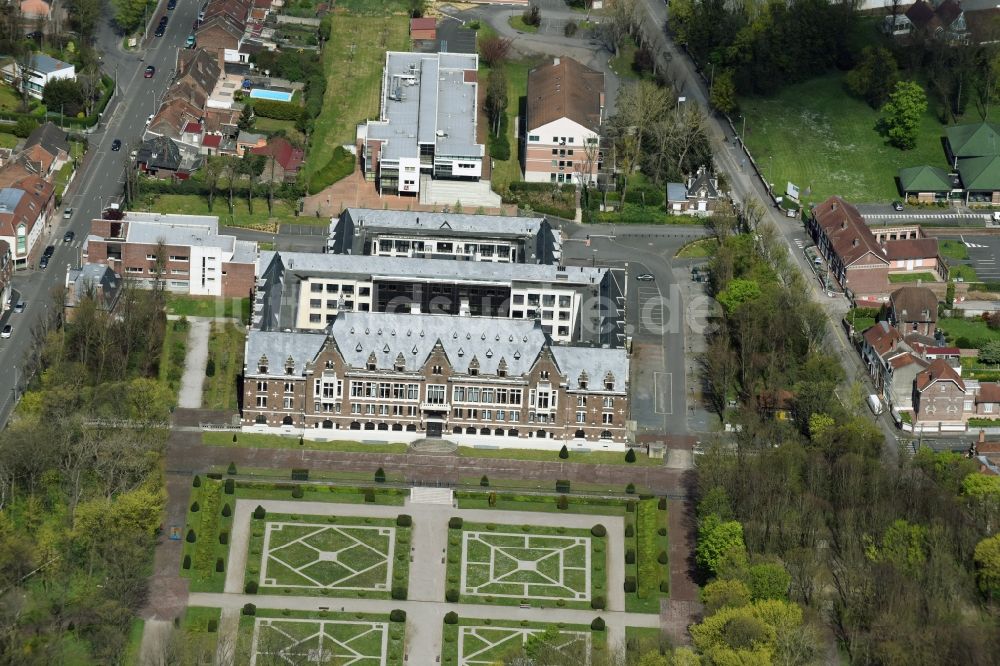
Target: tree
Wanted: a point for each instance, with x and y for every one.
(128, 14)
(715, 539)
(496, 98)
(768, 580)
(902, 113)
(738, 292)
(231, 171)
(564, 452)
(494, 50)
(990, 352)
(246, 121)
(24, 126)
(63, 95)
(211, 171)
(532, 16)
(723, 95)
(987, 559)
(630, 456)
(874, 76)
(251, 166)
(728, 593)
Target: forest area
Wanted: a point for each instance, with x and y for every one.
(81, 489)
(815, 543)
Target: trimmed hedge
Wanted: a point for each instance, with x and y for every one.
(404, 520)
(397, 615)
(599, 530)
(648, 565)
(597, 624)
(269, 108)
(630, 584)
(250, 587)
(451, 617)
(597, 602)
(451, 595)
(562, 486)
(249, 609)
(398, 592)
(455, 523)
(260, 512)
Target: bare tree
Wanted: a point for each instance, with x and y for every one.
(231, 170)
(211, 170)
(494, 50)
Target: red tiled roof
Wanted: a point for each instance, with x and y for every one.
(284, 153)
(943, 351)
(849, 236)
(988, 392)
(905, 359)
(192, 128)
(938, 370)
(211, 140)
(422, 24)
(564, 89)
(882, 337)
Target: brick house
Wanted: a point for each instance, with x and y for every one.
(198, 260)
(25, 209)
(423, 29)
(941, 395)
(892, 363)
(470, 379)
(282, 160)
(914, 310)
(45, 150)
(565, 108)
(6, 272)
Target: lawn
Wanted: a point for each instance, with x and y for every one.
(953, 249)
(973, 332)
(491, 641)
(225, 363)
(622, 63)
(962, 273)
(194, 204)
(898, 278)
(328, 555)
(588, 458)
(272, 126)
(649, 545)
(134, 642)
(824, 141)
(201, 633)
(208, 306)
(508, 171)
(206, 536)
(174, 353)
(258, 440)
(9, 99)
(354, 83)
(338, 494)
(8, 140)
(300, 637)
(526, 564)
(517, 22)
(373, 7)
(700, 249)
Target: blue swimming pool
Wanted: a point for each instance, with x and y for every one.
(276, 95)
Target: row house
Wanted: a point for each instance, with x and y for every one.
(419, 235)
(470, 379)
(6, 272)
(46, 150)
(942, 396)
(574, 303)
(26, 206)
(186, 253)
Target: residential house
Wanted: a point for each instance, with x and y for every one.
(197, 260)
(25, 209)
(171, 119)
(282, 160)
(677, 201)
(892, 363)
(423, 29)
(474, 380)
(47, 148)
(96, 281)
(942, 20)
(564, 111)
(198, 72)
(702, 193)
(36, 73)
(913, 309)
(6, 273)
(249, 141)
(928, 184)
(942, 396)
(160, 157)
(427, 122)
(218, 35)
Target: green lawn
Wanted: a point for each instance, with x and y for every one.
(194, 204)
(517, 22)
(817, 136)
(897, 278)
(174, 353)
(8, 140)
(953, 249)
(974, 331)
(700, 249)
(339, 494)
(353, 85)
(286, 636)
(134, 642)
(962, 272)
(257, 440)
(208, 306)
(271, 126)
(622, 63)
(9, 99)
(491, 641)
(589, 458)
(225, 363)
(506, 172)
(648, 545)
(206, 524)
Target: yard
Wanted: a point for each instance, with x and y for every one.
(899, 278)
(508, 171)
(195, 204)
(353, 60)
(225, 363)
(953, 249)
(8, 140)
(271, 126)
(968, 333)
(824, 141)
(207, 306)
(174, 353)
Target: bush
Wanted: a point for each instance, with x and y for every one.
(230, 486)
(630, 456)
(187, 562)
(630, 506)
(210, 368)
(224, 538)
(380, 475)
(268, 108)
(231, 470)
(197, 481)
(404, 520)
(564, 452)
(297, 492)
(451, 595)
(662, 557)
(340, 166)
(398, 593)
(597, 602)
(191, 536)
(484, 482)
(597, 624)
(220, 565)
(369, 495)
(662, 531)
(630, 556)
(562, 486)
(215, 476)
(499, 144)
(455, 523)
(630, 584)
(195, 507)
(630, 489)
(570, 28)
(24, 127)
(259, 512)
(249, 609)
(226, 511)
(562, 503)
(300, 474)
(662, 504)
(212, 626)
(599, 530)
(234, 438)
(629, 531)
(451, 617)
(397, 615)
(250, 587)
(664, 587)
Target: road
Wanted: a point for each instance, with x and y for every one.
(97, 181)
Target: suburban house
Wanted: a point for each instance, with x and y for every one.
(913, 309)
(24, 211)
(248, 141)
(474, 380)
(928, 184)
(38, 71)
(862, 261)
(94, 280)
(6, 272)
(427, 123)
(422, 235)
(892, 363)
(223, 26)
(282, 160)
(942, 396)
(574, 303)
(565, 107)
(45, 150)
(699, 196)
(185, 252)
(161, 157)
(171, 119)
(942, 20)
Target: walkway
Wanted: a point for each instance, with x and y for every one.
(194, 363)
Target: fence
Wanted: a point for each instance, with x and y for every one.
(298, 20)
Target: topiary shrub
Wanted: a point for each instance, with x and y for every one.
(664, 587)
(210, 368)
(597, 624)
(398, 592)
(404, 520)
(230, 487)
(197, 481)
(629, 531)
(662, 557)
(234, 438)
(369, 496)
(226, 511)
(630, 556)
(220, 565)
(397, 615)
(630, 506)
(630, 456)
(597, 602)
(562, 503)
(250, 587)
(249, 609)
(380, 475)
(562, 486)
(630, 489)
(451, 617)
(484, 482)
(630, 585)
(231, 470)
(224, 538)
(599, 530)
(455, 523)
(195, 507)
(191, 536)
(451, 595)
(259, 512)
(662, 531)
(564, 452)
(662, 504)
(187, 562)
(297, 492)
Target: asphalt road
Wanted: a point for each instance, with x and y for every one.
(97, 181)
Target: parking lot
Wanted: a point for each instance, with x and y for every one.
(983, 252)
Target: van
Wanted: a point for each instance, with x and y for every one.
(875, 404)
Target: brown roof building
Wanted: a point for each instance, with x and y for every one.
(914, 309)
(423, 28)
(24, 209)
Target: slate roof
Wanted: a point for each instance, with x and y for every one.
(597, 362)
(159, 152)
(453, 222)
(914, 304)
(980, 173)
(564, 89)
(988, 392)
(50, 138)
(46, 64)
(93, 276)
(676, 192)
(924, 179)
(849, 236)
(279, 346)
(974, 139)
(938, 370)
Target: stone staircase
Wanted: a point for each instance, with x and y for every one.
(450, 192)
(422, 495)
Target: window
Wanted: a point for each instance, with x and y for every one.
(315, 303)
(555, 151)
(518, 299)
(151, 257)
(564, 301)
(261, 387)
(544, 374)
(331, 305)
(487, 414)
(609, 402)
(555, 163)
(436, 394)
(332, 288)
(262, 401)
(458, 394)
(178, 257)
(315, 318)
(555, 139)
(607, 418)
(581, 400)
(533, 138)
(501, 415)
(355, 408)
(413, 391)
(436, 370)
(289, 387)
(287, 403)
(316, 287)
(515, 415)
(581, 417)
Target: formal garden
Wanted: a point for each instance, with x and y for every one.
(475, 642)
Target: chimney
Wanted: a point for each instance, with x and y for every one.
(555, 61)
(833, 206)
(843, 225)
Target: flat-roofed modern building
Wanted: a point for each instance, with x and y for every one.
(395, 233)
(196, 260)
(401, 377)
(427, 123)
(306, 291)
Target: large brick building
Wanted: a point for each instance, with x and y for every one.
(942, 396)
(195, 259)
(404, 376)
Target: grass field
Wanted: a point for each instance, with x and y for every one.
(194, 204)
(541, 566)
(974, 331)
(506, 172)
(517, 22)
(354, 83)
(174, 353)
(699, 249)
(486, 643)
(271, 126)
(206, 523)
(953, 249)
(296, 637)
(207, 306)
(225, 361)
(900, 278)
(255, 440)
(817, 136)
(8, 140)
(323, 555)
(584, 457)
(962, 272)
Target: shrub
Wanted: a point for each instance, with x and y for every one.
(267, 108)
(597, 602)
(630, 556)
(210, 368)
(224, 538)
(484, 482)
(300, 474)
(562, 486)
(630, 506)
(234, 438)
(630, 456)
(226, 511)
(597, 624)
(451, 617)
(564, 452)
(250, 587)
(599, 530)
(231, 470)
(398, 592)
(187, 562)
(380, 475)
(230, 486)
(662, 531)
(197, 481)
(259, 512)
(212, 626)
(664, 587)
(404, 520)
(630, 584)
(24, 127)
(340, 166)
(629, 531)
(220, 565)
(370, 495)
(662, 504)
(249, 609)
(191, 536)
(630, 489)
(451, 594)
(562, 503)
(455, 523)
(570, 29)
(297, 492)
(194, 507)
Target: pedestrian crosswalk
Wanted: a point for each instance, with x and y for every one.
(799, 243)
(968, 244)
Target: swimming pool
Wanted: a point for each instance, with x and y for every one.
(276, 95)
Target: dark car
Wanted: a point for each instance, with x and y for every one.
(49, 250)
(43, 263)
(897, 206)
(68, 237)
(172, 4)
(150, 71)
(160, 29)
(116, 145)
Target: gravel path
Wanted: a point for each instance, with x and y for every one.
(193, 378)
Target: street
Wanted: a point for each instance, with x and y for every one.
(98, 180)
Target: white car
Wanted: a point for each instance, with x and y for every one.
(68, 213)
(645, 277)
(149, 119)
(8, 330)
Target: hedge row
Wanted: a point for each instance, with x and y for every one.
(269, 108)
(69, 121)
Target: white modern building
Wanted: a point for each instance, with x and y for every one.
(40, 69)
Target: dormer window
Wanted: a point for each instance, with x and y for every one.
(400, 364)
(262, 364)
(583, 379)
(609, 382)
(474, 366)
(289, 366)
(329, 365)
(372, 363)
(544, 374)
(502, 368)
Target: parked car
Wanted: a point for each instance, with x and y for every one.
(897, 205)
(172, 4)
(150, 71)
(67, 213)
(19, 307)
(8, 330)
(160, 29)
(190, 39)
(49, 251)
(645, 277)
(69, 236)
(43, 263)
(116, 145)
